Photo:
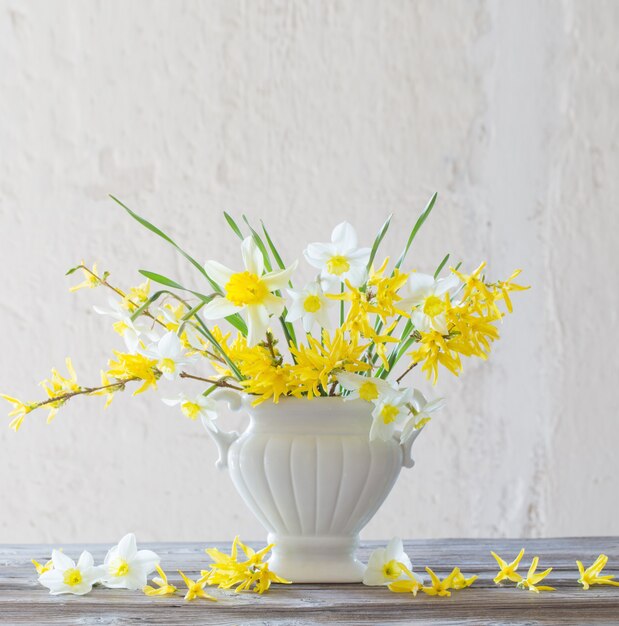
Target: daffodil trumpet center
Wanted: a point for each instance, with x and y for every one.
(120, 568)
(389, 413)
(72, 577)
(167, 366)
(338, 265)
(246, 288)
(312, 304)
(190, 409)
(392, 570)
(433, 306)
(368, 391)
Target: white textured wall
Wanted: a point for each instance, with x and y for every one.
(299, 112)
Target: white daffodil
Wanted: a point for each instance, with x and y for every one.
(126, 567)
(311, 305)
(250, 291)
(339, 260)
(194, 407)
(364, 387)
(390, 411)
(172, 319)
(68, 577)
(169, 354)
(426, 301)
(385, 565)
(421, 414)
(133, 332)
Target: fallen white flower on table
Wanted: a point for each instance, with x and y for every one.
(68, 577)
(385, 565)
(126, 567)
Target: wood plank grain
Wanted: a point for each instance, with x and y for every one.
(23, 601)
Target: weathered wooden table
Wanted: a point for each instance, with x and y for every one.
(23, 601)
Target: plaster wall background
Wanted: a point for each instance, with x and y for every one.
(305, 114)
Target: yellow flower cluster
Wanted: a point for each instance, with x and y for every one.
(471, 323)
(134, 367)
(379, 298)
(311, 374)
(59, 385)
(244, 574)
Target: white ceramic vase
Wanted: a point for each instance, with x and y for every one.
(309, 472)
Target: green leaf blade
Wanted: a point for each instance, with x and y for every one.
(418, 224)
(381, 235)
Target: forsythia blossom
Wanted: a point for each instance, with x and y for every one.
(250, 573)
(592, 574)
(530, 582)
(508, 570)
(162, 587)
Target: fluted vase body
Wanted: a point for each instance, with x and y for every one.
(309, 472)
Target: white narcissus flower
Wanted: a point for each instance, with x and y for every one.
(364, 387)
(133, 332)
(69, 577)
(311, 305)
(170, 355)
(426, 301)
(126, 567)
(172, 319)
(422, 410)
(390, 411)
(384, 565)
(194, 407)
(340, 260)
(250, 291)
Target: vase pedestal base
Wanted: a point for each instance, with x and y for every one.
(316, 559)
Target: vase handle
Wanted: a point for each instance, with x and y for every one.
(223, 439)
(407, 458)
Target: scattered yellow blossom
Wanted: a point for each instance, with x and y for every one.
(411, 584)
(591, 575)
(195, 588)
(532, 579)
(228, 571)
(460, 581)
(162, 587)
(41, 569)
(508, 571)
(441, 587)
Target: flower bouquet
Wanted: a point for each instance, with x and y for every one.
(322, 371)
